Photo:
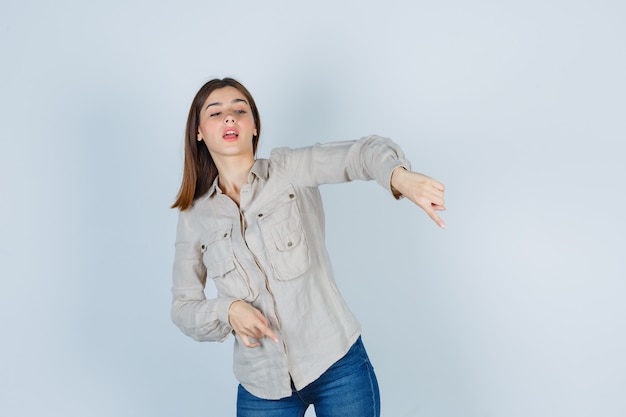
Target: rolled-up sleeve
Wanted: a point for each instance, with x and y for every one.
(196, 316)
(369, 158)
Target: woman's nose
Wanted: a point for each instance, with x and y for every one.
(229, 119)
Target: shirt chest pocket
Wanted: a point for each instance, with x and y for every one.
(280, 223)
(221, 265)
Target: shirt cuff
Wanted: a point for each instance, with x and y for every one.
(223, 305)
(395, 193)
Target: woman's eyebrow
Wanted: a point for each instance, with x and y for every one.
(217, 103)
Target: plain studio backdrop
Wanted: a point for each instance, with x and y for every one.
(516, 309)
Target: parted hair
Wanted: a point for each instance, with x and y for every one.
(199, 170)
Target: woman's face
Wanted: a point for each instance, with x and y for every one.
(226, 124)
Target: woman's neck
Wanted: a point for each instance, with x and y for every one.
(232, 175)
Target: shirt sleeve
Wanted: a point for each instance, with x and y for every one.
(369, 158)
(196, 316)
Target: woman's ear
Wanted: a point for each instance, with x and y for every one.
(199, 136)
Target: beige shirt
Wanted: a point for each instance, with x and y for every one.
(271, 252)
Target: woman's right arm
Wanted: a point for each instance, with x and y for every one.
(196, 316)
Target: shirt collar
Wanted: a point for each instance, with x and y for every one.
(259, 169)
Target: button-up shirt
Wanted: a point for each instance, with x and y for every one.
(270, 252)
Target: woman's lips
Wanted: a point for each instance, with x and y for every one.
(230, 135)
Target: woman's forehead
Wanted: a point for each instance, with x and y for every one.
(225, 95)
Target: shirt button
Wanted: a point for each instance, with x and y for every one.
(260, 214)
(289, 244)
(291, 195)
(225, 235)
(203, 247)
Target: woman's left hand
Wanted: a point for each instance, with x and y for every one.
(424, 191)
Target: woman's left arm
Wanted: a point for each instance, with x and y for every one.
(369, 158)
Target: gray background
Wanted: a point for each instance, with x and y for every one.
(516, 309)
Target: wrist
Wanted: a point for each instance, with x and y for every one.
(229, 303)
(395, 181)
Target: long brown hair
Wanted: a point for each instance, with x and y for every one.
(199, 170)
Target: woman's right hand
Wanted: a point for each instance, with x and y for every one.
(247, 321)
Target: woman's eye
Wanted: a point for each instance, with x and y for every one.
(240, 111)
(215, 114)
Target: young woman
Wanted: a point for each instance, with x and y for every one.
(255, 228)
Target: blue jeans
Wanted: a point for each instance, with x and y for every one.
(347, 389)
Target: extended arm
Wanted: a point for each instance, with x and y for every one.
(370, 158)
